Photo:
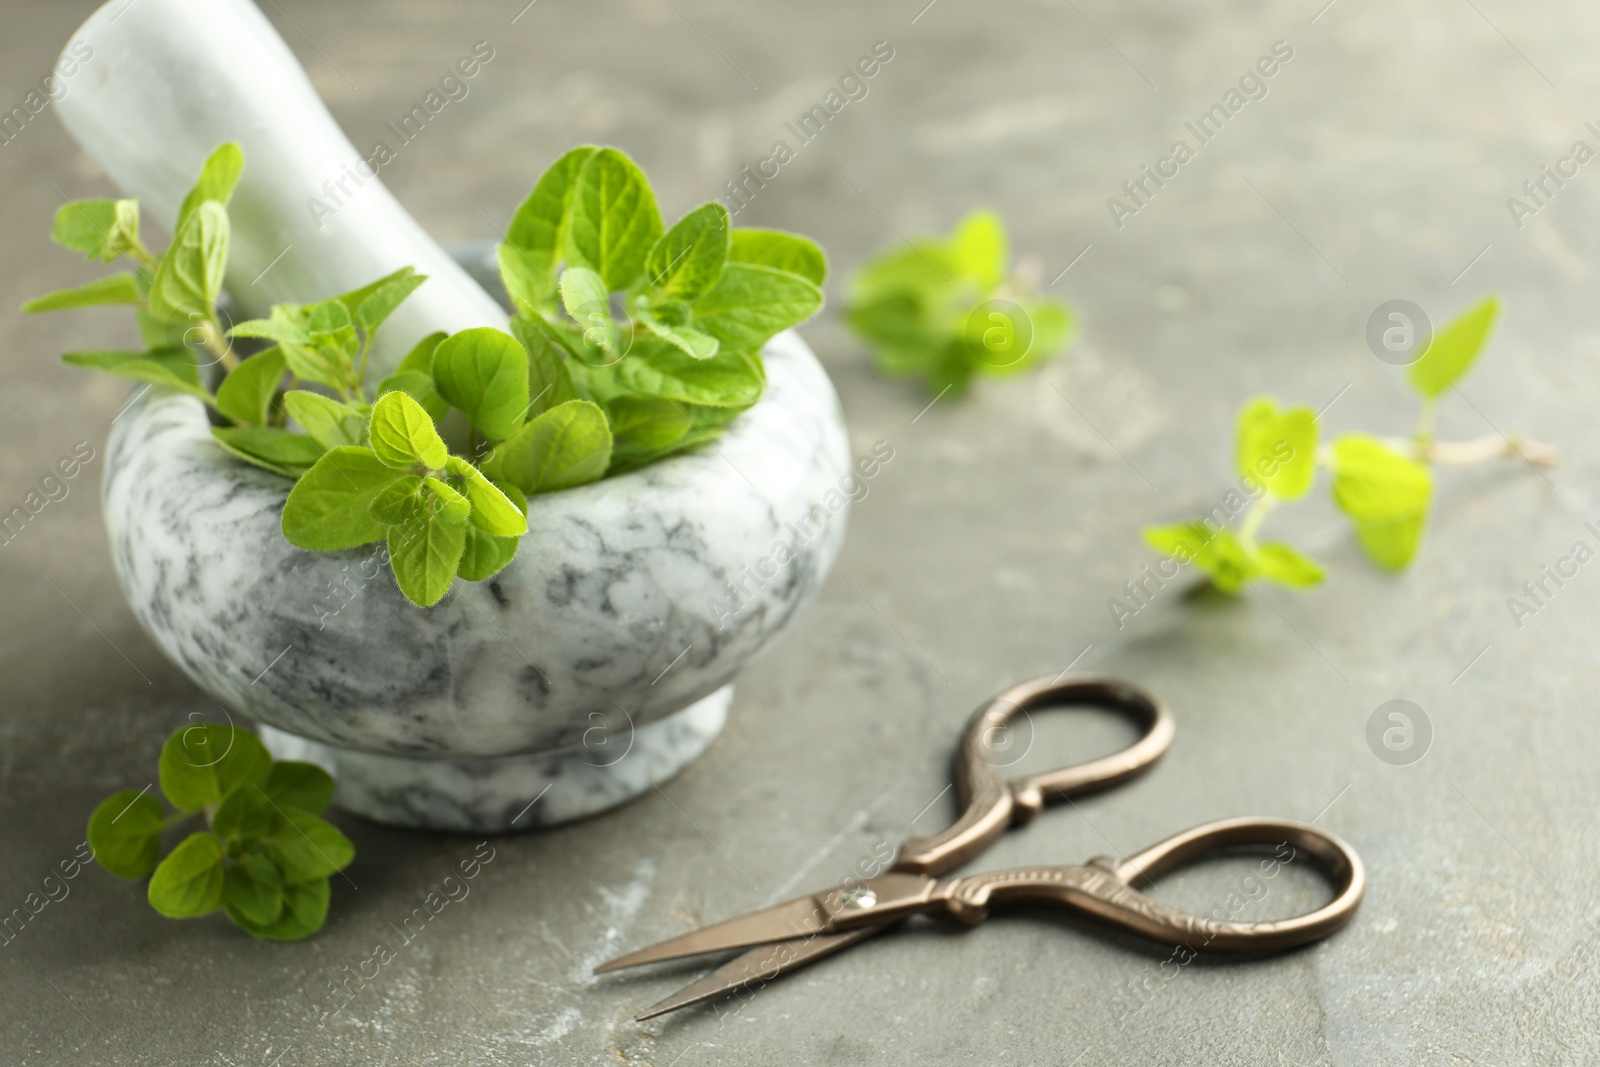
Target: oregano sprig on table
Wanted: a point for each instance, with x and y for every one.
(944, 309)
(266, 854)
(1384, 486)
(632, 341)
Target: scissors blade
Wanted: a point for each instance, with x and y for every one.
(782, 922)
(759, 966)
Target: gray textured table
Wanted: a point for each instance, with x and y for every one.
(1377, 167)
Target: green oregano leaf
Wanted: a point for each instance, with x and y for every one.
(246, 394)
(327, 318)
(188, 883)
(486, 554)
(906, 334)
(352, 301)
(299, 785)
(252, 890)
(218, 176)
(484, 373)
(170, 367)
(125, 833)
(327, 508)
(100, 230)
(270, 448)
(536, 237)
(749, 304)
(287, 325)
(492, 511)
(190, 275)
(980, 250)
(567, 446)
(529, 287)
(923, 272)
(694, 343)
(117, 289)
(202, 763)
(689, 257)
(1214, 553)
(446, 501)
(1386, 495)
(328, 422)
(781, 251)
(306, 847)
(1392, 543)
(645, 429)
(305, 907)
(549, 382)
(584, 296)
(402, 434)
(398, 502)
(656, 368)
(647, 421)
(612, 220)
(424, 552)
(1454, 348)
(244, 814)
(945, 309)
(1277, 448)
(1282, 564)
(377, 306)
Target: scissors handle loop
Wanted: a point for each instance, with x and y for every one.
(992, 803)
(1103, 888)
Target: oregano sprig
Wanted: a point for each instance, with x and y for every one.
(265, 854)
(658, 328)
(632, 341)
(944, 309)
(1384, 486)
(174, 295)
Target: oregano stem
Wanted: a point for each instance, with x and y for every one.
(1425, 423)
(361, 368)
(1465, 453)
(211, 336)
(1485, 448)
(141, 255)
(1251, 524)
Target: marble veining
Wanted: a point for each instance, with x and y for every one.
(489, 794)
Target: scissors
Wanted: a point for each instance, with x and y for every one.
(790, 935)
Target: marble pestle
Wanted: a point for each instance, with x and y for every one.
(171, 79)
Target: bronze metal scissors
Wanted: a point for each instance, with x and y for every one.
(789, 935)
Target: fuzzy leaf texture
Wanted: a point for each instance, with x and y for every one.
(484, 373)
(613, 221)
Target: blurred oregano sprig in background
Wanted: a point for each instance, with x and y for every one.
(944, 309)
(265, 855)
(1384, 486)
(631, 341)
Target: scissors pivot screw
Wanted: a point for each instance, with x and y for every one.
(858, 896)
